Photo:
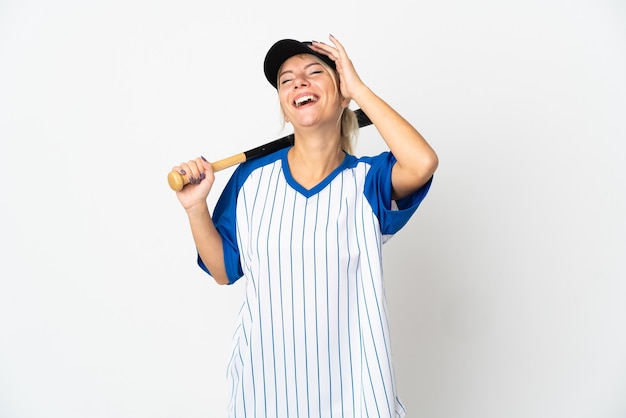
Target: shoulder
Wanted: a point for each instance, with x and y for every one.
(244, 170)
(375, 166)
(384, 159)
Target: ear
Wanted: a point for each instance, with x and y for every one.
(345, 102)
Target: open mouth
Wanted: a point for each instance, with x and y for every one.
(303, 100)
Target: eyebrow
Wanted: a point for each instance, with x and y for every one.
(305, 67)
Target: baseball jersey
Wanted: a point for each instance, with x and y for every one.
(312, 336)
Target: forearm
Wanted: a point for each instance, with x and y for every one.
(208, 242)
(416, 160)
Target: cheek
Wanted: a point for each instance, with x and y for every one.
(284, 101)
(283, 112)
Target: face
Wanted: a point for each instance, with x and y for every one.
(308, 91)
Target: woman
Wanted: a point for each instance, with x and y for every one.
(304, 226)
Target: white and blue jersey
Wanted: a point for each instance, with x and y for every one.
(312, 338)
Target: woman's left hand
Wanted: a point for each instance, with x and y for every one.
(349, 81)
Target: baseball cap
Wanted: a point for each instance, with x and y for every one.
(284, 49)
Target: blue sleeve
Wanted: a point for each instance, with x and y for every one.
(224, 219)
(378, 193)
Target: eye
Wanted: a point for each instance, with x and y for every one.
(285, 81)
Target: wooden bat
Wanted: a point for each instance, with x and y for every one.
(177, 181)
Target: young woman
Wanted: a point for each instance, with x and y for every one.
(304, 227)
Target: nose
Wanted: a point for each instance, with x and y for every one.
(300, 82)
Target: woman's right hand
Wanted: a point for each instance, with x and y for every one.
(200, 174)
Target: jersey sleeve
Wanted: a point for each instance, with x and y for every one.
(392, 214)
(224, 219)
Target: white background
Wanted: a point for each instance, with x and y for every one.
(506, 290)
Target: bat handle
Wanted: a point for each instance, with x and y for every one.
(177, 181)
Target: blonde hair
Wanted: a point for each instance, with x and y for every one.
(349, 124)
(349, 130)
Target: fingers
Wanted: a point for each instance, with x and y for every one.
(350, 82)
(325, 49)
(195, 170)
(334, 53)
(338, 45)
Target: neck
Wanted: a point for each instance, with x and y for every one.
(313, 157)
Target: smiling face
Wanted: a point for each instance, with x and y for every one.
(308, 91)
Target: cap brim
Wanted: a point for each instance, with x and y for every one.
(284, 49)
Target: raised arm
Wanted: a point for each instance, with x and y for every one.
(416, 160)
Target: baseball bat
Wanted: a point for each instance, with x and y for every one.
(177, 181)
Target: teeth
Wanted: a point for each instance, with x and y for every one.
(304, 99)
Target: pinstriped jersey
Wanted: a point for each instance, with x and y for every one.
(312, 337)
